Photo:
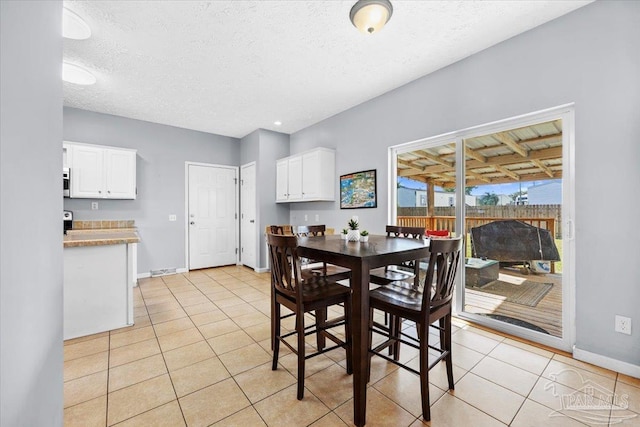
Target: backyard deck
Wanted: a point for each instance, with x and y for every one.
(547, 314)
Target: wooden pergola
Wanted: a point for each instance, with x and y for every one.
(530, 153)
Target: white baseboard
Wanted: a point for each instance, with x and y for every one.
(606, 362)
(261, 270)
(182, 270)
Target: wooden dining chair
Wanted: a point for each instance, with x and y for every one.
(332, 272)
(424, 306)
(404, 271)
(303, 296)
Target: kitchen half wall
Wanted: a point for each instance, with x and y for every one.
(162, 153)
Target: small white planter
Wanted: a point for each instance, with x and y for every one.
(364, 239)
(353, 235)
(343, 236)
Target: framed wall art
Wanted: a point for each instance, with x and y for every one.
(358, 190)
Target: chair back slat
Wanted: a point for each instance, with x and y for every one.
(285, 264)
(444, 262)
(408, 232)
(310, 230)
(276, 229)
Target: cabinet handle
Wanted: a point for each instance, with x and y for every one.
(109, 191)
(99, 191)
(192, 223)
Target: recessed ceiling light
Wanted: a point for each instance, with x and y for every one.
(277, 123)
(74, 27)
(77, 75)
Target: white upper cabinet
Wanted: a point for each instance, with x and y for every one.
(282, 180)
(99, 172)
(306, 177)
(294, 179)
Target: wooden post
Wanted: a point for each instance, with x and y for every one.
(430, 203)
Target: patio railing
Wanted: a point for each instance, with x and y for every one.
(449, 222)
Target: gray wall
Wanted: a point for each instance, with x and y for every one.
(162, 152)
(273, 146)
(265, 147)
(590, 57)
(30, 197)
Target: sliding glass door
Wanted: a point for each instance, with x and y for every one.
(507, 188)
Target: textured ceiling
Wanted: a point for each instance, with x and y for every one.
(230, 67)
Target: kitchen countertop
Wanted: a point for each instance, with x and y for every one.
(98, 237)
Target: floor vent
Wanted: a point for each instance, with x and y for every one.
(163, 272)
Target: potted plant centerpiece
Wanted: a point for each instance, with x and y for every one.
(344, 234)
(353, 235)
(364, 236)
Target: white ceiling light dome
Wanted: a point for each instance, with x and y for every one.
(369, 16)
(74, 27)
(72, 73)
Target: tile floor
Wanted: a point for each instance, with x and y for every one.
(199, 355)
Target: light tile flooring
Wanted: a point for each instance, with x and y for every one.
(199, 354)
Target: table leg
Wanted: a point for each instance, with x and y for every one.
(360, 306)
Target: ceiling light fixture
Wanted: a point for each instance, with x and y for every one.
(77, 75)
(74, 27)
(369, 16)
(277, 123)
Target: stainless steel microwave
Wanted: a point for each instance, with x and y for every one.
(66, 189)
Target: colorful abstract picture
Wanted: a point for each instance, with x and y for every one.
(358, 190)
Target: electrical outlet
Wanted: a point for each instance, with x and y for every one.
(306, 218)
(94, 206)
(172, 217)
(623, 325)
(317, 217)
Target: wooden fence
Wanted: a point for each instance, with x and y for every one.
(542, 216)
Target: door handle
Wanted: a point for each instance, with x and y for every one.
(192, 223)
(252, 221)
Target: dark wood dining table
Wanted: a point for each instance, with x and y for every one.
(360, 258)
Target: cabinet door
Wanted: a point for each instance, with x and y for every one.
(295, 178)
(120, 174)
(311, 175)
(282, 180)
(87, 171)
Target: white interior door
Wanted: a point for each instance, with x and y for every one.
(212, 216)
(248, 214)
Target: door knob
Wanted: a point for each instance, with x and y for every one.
(192, 223)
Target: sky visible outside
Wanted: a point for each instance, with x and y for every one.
(480, 190)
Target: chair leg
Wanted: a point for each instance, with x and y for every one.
(321, 321)
(370, 343)
(389, 321)
(348, 335)
(423, 334)
(396, 330)
(447, 347)
(273, 316)
(275, 333)
(301, 353)
(443, 338)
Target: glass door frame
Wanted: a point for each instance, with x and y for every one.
(567, 115)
